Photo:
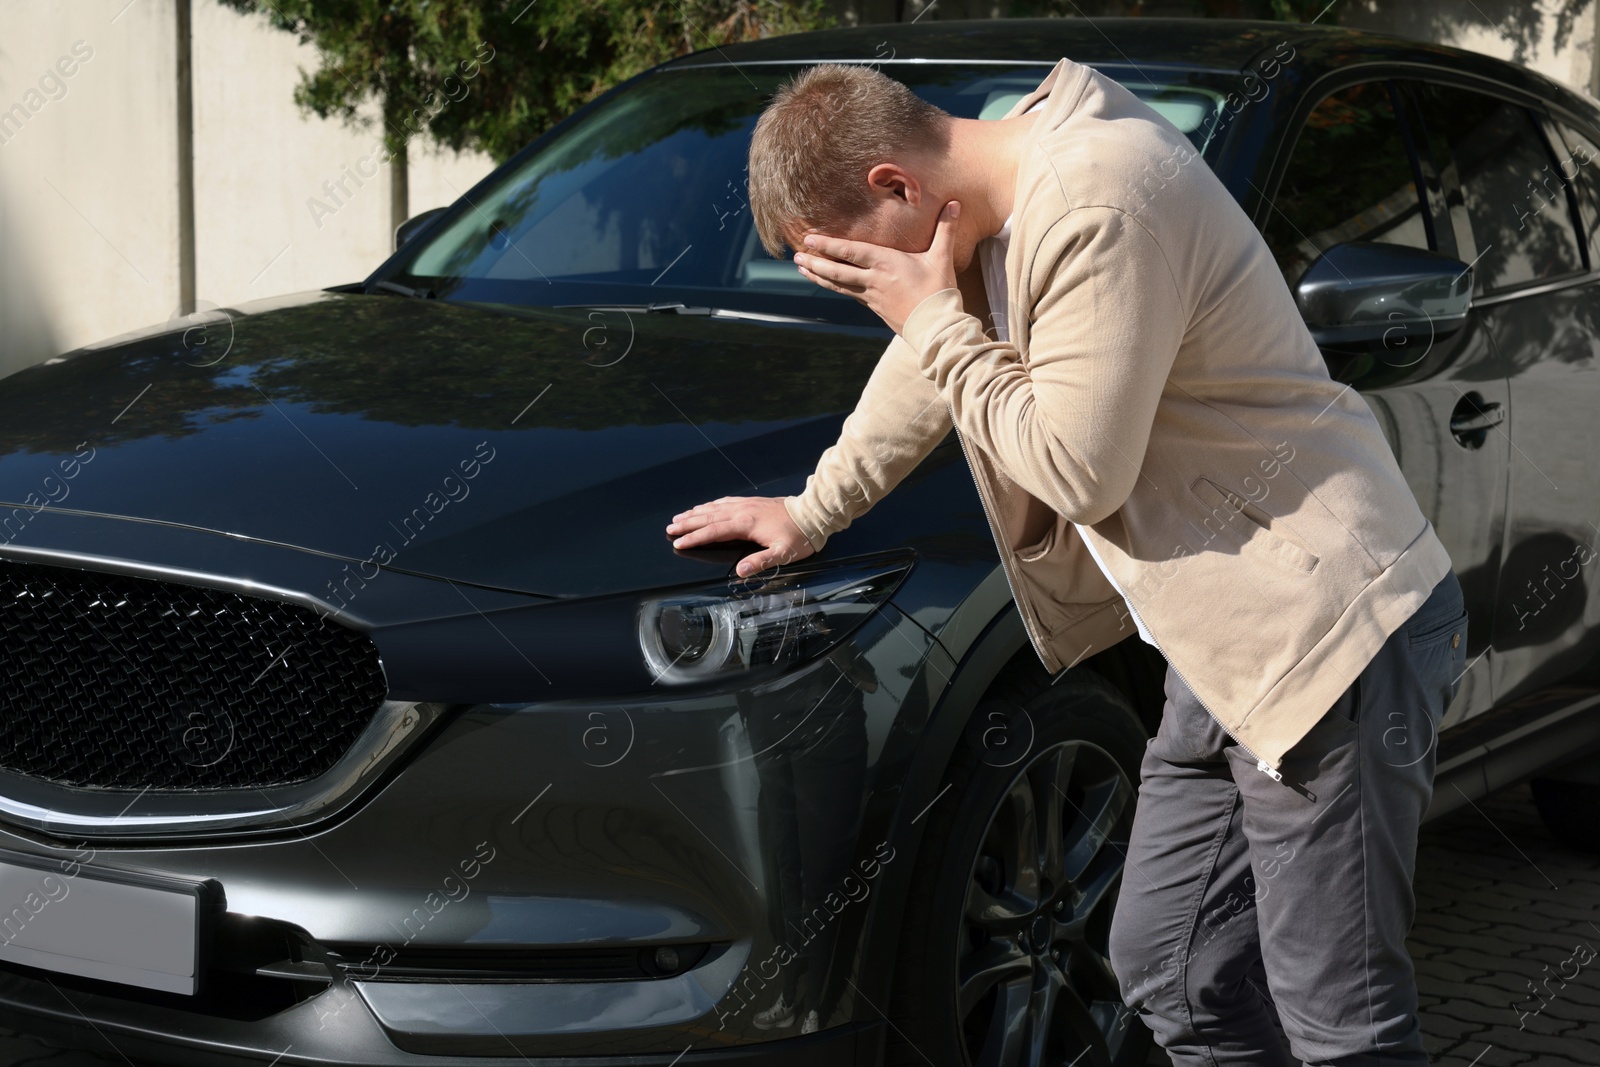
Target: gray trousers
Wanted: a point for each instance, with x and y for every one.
(1249, 903)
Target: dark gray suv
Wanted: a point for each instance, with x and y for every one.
(360, 712)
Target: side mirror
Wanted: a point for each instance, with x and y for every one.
(413, 226)
(1368, 296)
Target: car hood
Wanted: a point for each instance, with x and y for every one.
(535, 450)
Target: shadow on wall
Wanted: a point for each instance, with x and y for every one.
(26, 335)
(1524, 26)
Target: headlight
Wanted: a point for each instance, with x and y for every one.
(747, 624)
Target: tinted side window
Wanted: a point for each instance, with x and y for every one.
(1349, 179)
(1520, 222)
(1580, 163)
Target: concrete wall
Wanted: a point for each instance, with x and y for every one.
(88, 172)
(87, 168)
(1525, 31)
(1529, 32)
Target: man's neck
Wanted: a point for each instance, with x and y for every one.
(984, 158)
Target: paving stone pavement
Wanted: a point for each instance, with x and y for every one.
(1506, 941)
(1507, 926)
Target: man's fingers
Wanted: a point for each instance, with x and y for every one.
(841, 274)
(760, 519)
(700, 511)
(944, 233)
(856, 291)
(758, 561)
(827, 284)
(857, 252)
(695, 516)
(726, 530)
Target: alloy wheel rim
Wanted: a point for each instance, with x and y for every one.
(1034, 982)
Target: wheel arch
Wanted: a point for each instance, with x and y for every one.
(1001, 645)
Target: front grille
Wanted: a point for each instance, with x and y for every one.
(116, 682)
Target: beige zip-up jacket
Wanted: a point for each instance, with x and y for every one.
(1161, 388)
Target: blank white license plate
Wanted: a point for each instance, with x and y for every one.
(119, 926)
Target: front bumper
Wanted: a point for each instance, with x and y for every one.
(293, 1038)
(522, 848)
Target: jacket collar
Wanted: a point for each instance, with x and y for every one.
(1060, 90)
(1066, 75)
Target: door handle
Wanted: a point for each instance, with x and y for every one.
(1472, 419)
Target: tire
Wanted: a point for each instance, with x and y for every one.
(1029, 936)
(1568, 809)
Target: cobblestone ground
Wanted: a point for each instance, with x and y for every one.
(1505, 940)
(1507, 924)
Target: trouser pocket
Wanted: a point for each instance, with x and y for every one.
(1436, 645)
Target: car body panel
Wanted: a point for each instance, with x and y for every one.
(346, 422)
(644, 816)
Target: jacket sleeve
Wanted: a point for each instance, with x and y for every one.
(898, 421)
(1071, 422)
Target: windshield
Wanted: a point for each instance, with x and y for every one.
(642, 200)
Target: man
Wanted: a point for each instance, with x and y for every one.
(1155, 437)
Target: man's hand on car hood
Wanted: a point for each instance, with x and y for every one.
(762, 519)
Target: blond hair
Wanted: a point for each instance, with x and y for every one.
(823, 131)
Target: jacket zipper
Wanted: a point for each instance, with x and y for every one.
(1025, 610)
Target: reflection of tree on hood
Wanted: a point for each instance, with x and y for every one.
(432, 363)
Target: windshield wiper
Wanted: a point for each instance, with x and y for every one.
(676, 308)
(403, 290)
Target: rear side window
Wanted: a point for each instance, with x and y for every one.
(1517, 225)
(1580, 164)
(1349, 179)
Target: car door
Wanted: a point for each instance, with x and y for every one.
(1538, 295)
(1354, 174)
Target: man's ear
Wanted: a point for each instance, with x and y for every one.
(891, 179)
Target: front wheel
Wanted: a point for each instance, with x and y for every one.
(1004, 958)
